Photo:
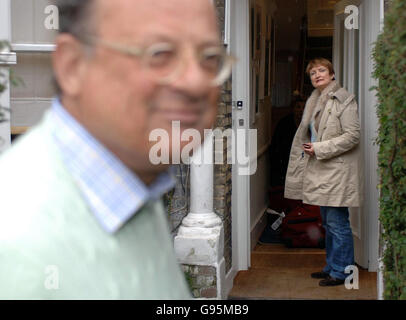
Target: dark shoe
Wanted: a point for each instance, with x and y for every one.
(319, 275)
(331, 282)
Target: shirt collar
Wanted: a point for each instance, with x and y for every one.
(113, 192)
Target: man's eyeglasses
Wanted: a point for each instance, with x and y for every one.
(164, 60)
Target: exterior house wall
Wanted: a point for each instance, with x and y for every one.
(177, 201)
(222, 175)
(33, 43)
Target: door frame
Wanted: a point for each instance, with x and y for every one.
(239, 38)
(347, 50)
(370, 23)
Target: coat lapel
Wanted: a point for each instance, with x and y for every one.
(315, 102)
(323, 104)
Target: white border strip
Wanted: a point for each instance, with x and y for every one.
(29, 47)
(8, 58)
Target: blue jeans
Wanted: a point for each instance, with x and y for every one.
(339, 241)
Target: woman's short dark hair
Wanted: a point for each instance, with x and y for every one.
(322, 62)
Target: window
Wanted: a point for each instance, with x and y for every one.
(33, 42)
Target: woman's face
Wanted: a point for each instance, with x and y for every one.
(320, 77)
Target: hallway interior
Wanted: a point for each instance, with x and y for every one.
(277, 272)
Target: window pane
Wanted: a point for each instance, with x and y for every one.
(28, 22)
(30, 99)
(35, 70)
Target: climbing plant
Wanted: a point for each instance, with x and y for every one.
(4, 45)
(390, 71)
(7, 79)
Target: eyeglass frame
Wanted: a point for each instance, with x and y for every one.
(139, 52)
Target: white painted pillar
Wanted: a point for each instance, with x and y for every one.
(200, 240)
(6, 59)
(201, 190)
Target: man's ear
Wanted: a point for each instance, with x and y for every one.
(69, 64)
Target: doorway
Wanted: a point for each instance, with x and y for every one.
(281, 43)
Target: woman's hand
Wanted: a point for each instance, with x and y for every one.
(308, 148)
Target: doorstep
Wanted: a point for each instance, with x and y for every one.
(278, 272)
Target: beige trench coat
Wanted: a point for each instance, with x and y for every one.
(333, 177)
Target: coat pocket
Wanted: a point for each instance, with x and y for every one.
(330, 175)
(296, 166)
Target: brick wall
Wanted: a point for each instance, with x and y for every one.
(222, 174)
(220, 5)
(177, 201)
(202, 280)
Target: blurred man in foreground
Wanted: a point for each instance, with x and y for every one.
(81, 213)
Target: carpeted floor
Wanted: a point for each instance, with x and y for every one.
(280, 273)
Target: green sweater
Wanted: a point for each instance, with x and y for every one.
(52, 247)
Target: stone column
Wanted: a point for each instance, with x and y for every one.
(200, 240)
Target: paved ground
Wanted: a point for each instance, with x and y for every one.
(280, 273)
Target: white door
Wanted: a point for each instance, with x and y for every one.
(355, 32)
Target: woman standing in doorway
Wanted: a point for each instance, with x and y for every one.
(324, 166)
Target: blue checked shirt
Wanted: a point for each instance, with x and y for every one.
(113, 192)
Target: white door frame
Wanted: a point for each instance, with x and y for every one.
(347, 53)
(239, 47)
(374, 17)
(239, 38)
(370, 16)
